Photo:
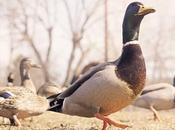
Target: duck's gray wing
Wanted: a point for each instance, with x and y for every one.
(82, 79)
(56, 101)
(86, 77)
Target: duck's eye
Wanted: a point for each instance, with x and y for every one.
(141, 6)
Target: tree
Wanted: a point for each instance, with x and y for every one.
(24, 19)
(106, 29)
(78, 31)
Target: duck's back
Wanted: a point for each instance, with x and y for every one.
(22, 101)
(160, 96)
(47, 91)
(154, 87)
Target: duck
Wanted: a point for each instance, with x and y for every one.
(85, 69)
(48, 89)
(25, 66)
(155, 97)
(20, 102)
(10, 80)
(110, 86)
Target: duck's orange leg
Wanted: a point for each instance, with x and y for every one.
(105, 125)
(107, 121)
(156, 115)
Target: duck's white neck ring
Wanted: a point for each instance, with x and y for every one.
(131, 43)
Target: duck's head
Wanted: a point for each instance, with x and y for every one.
(27, 63)
(132, 19)
(137, 9)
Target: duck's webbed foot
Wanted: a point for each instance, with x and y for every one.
(107, 121)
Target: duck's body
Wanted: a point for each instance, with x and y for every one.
(159, 96)
(106, 88)
(19, 102)
(110, 86)
(48, 89)
(103, 83)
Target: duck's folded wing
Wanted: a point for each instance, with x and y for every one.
(81, 80)
(69, 91)
(56, 101)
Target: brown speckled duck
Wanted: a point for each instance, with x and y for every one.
(111, 86)
(19, 102)
(25, 66)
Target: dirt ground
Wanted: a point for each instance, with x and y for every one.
(140, 119)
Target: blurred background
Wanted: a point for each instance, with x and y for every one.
(65, 35)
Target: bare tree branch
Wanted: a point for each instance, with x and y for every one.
(49, 31)
(22, 27)
(77, 36)
(81, 59)
(69, 15)
(106, 30)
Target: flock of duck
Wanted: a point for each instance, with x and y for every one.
(100, 91)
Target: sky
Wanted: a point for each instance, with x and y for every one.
(159, 25)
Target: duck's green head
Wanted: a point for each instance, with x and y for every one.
(138, 9)
(132, 19)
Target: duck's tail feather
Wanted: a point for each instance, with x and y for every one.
(55, 103)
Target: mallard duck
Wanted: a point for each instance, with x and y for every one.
(48, 89)
(111, 86)
(25, 66)
(19, 102)
(155, 97)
